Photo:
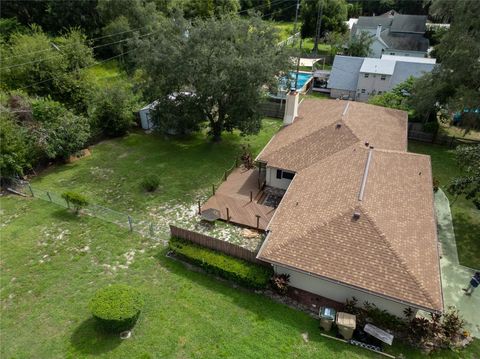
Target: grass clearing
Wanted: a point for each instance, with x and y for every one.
(44, 300)
(285, 28)
(112, 175)
(52, 263)
(466, 218)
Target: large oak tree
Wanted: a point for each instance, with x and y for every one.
(225, 62)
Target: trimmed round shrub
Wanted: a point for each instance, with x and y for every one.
(116, 307)
(150, 183)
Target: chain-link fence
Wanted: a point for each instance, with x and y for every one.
(143, 227)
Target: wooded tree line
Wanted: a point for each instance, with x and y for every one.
(53, 106)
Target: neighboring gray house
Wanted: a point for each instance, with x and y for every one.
(396, 34)
(344, 76)
(360, 78)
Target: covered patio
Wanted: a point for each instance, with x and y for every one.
(238, 199)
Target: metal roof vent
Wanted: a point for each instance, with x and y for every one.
(339, 125)
(367, 143)
(356, 216)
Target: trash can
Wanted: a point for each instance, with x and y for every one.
(346, 324)
(327, 317)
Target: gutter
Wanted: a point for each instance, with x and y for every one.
(263, 149)
(416, 306)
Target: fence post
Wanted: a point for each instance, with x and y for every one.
(225, 176)
(258, 220)
(48, 195)
(199, 207)
(251, 196)
(130, 223)
(213, 189)
(31, 190)
(228, 215)
(236, 162)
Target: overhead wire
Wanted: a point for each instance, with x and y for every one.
(276, 2)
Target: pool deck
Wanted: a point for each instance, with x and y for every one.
(234, 194)
(454, 275)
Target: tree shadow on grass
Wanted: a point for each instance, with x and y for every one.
(89, 338)
(467, 238)
(65, 215)
(261, 306)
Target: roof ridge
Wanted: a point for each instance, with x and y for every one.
(396, 255)
(313, 134)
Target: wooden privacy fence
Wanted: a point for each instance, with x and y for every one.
(215, 244)
(444, 140)
(272, 109)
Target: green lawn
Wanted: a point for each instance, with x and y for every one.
(307, 46)
(466, 218)
(52, 263)
(111, 176)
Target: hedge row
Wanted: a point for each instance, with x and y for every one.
(243, 272)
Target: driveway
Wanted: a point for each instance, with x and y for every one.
(454, 275)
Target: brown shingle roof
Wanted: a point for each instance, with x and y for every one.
(391, 250)
(314, 134)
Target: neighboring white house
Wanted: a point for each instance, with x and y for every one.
(359, 78)
(357, 218)
(394, 34)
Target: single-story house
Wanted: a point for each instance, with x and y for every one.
(357, 217)
(343, 78)
(359, 78)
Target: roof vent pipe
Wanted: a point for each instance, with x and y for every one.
(356, 215)
(379, 30)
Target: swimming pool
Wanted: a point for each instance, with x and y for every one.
(286, 83)
(303, 78)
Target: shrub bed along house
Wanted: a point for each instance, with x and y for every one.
(245, 273)
(437, 332)
(116, 307)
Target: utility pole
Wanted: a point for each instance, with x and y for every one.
(295, 23)
(319, 26)
(298, 64)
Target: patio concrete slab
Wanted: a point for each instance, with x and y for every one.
(454, 275)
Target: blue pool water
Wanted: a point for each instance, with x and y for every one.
(285, 84)
(302, 79)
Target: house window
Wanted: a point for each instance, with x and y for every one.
(366, 76)
(279, 174)
(379, 92)
(383, 77)
(363, 90)
(392, 53)
(288, 175)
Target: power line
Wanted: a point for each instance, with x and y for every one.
(56, 55)
(275, 2)
(81, 68)
(93, 39)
